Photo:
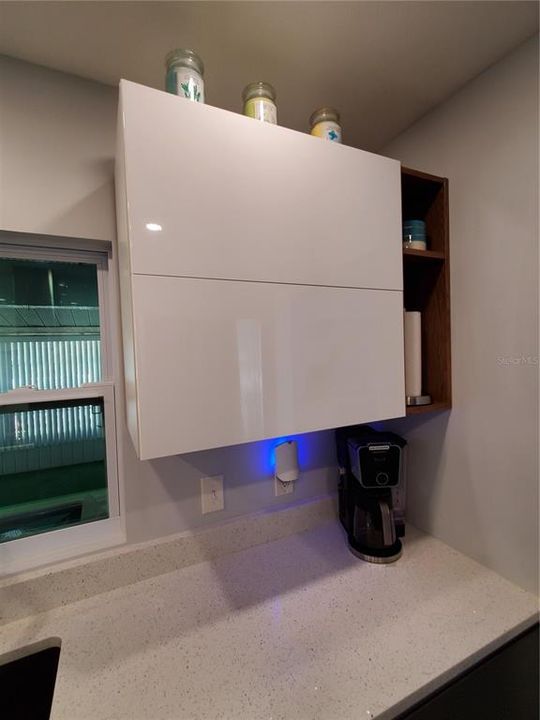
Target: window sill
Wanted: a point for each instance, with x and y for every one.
(30, 553)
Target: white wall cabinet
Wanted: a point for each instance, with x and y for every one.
(270, 303)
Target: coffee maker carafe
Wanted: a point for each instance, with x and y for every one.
(372, 492)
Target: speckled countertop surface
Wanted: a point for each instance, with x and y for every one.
(296, 629)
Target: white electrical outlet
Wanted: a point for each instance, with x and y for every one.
(282, 488)
(212, 494)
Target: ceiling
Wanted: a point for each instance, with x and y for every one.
(382, 64)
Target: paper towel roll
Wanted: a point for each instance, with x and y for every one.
(413, 353)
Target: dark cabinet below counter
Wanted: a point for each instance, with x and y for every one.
(504, 686)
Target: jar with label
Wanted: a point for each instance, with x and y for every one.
(324, 123)
(260, 102)
(414, 234)
(185, 71)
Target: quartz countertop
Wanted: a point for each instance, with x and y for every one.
(297, 629)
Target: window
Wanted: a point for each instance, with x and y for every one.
(57, 413)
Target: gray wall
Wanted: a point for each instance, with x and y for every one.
(57, 139)
(473, 476)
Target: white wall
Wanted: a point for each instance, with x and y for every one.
(473, 473)
(473, 476)
(57, 140)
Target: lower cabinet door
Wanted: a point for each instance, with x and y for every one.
(504, 686)
(222, 362)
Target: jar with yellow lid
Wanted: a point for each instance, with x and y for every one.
(324, 123)
(185, 72)
(260, 102)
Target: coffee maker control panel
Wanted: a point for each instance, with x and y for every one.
(375, 465)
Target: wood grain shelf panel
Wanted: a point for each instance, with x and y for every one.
(423, 254)
(423, 409)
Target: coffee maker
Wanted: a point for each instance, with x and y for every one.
(372, 491)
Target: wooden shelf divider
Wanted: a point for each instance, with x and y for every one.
(425, 254)
(422, 409)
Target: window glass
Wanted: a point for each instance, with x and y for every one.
(49, 324)
(52, 466)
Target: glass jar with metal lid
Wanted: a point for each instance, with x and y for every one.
(260, 102)
(324, 123)
(185, 71)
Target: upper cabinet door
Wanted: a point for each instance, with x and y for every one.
(244, 200)
(223, 362)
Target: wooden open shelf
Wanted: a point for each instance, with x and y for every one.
(434, 407)
(424, 254)
(426, 283)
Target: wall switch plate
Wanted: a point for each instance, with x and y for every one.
(282, 488)
(212, 494)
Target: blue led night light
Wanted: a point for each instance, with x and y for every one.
(267, 451)
(275, 443)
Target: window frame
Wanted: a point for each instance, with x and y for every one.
(29, 552)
